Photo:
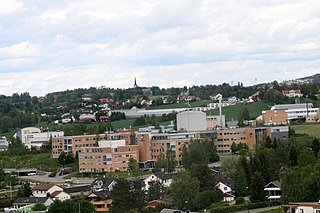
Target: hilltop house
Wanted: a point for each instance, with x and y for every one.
(292, 93)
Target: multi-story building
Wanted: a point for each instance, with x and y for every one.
(108, 156)
(35, 137)
(283, 114)
(72, 144)
(155, 146)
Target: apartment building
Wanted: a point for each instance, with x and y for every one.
(107, 156)
(72, 144)
(155, 146)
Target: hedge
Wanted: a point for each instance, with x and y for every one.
(242, 207)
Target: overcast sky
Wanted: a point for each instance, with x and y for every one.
(48, 46)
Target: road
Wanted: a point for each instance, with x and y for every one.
(58, 179)
(261, 209)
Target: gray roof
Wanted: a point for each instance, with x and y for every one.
(30, 200)
(165, 176)
(102, 195)
(105, 182)
(275, 182)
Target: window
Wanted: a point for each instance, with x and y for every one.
(301, 211)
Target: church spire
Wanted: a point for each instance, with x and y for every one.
(135, 82)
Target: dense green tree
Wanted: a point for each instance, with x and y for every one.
(127, 196)
(71, 206)
(204, 175)
(184, 190)
(256, 189)
(133, 167)
(25, 191)
(245, 114)
(155, 191)
(240, 183)
(206, 198)
(315, 146)
(194, 153)
(240, 120)
(39, 207)
(306, 157)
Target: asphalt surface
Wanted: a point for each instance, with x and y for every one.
(58, 179)
(261, 209)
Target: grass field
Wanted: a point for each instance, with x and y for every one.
(278, 210)
(181, 105)
(231, 112)
(42, 160)
(309, 129)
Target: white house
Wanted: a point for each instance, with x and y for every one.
(164, 178)
(273, 190)
(45, 190)
(225, 187)
(60, 195)
(303, 207)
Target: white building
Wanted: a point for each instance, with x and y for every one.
(164, 178)
(34, 137)
(43, 190)
(301, 207)
(3, 143)
(60, 195)
(191, 121)
(227, 191)
(273, 190)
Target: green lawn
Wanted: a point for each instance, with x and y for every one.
(181, 105)
(309, 129)
(42, 160)
(278, 210)
(231, 112)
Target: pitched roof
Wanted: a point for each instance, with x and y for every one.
(165, 176)
(275, 182)
(31, 200)
(102, 195)
(104, 182)
(54, 194)
(42, 187)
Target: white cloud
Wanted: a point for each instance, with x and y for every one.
(55, 45)
(10, 6)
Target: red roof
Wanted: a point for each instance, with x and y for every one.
(291, 91)
(154, 203)
(104, 100)
(104, 117)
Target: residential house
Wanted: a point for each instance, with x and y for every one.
(101, 184)
(273, 190)
(86, 97)
(292, 93)
(161, 177)
(4, 145)
(256, 96)
(100, 200)
(60, 195)
(226, 188)
(100, 193)
(25, 201)
(301, 207)
(45, 190)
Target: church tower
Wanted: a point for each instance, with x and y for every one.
(135, 83)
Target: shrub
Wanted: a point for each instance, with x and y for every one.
(240, 200)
